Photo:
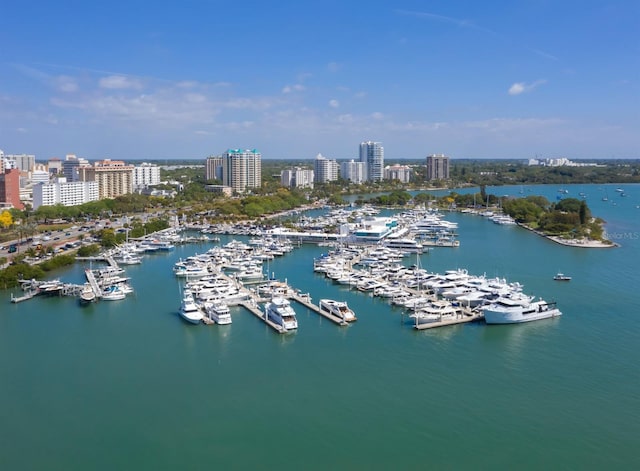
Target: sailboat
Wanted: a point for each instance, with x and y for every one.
(605, 197)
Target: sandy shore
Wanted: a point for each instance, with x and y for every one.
(583, 242)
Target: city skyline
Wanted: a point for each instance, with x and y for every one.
(470, 80)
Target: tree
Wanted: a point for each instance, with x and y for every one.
(5, 219)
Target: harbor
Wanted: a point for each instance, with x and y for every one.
(136, 368)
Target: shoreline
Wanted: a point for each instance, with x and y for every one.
(580, 243)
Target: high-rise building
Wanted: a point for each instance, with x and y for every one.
(437, 167)
(70, 167)
(54, 165)
(355, 172)
(145, 175)
(398, 172)
(325, 170)
(65, 193)
(372, 154)
(242, 169)
(297, 178)
(213, 168)
(114, 177)
(10, 188)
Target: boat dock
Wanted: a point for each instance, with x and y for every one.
(306, 302)
(253, 308)
(465, 317)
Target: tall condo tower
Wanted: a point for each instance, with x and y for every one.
(242, 169)
(372, 154)
(437, 167)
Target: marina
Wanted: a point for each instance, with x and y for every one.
(131, 361)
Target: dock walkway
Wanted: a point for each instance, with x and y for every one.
(304, 300)
(253, 308)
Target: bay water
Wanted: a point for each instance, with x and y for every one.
(129, 385)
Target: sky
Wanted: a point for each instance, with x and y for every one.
(192, 78)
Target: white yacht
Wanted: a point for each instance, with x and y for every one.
(435, 311)
(218, 312)
(113, 293)
(404, 244)
(189, 310)
(513, 311)
(279, 310)
(339, 309)
(87, 295)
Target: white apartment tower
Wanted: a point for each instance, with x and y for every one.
(242, 169)
(65, 193)
(355, 172)
(297, 178)
(145, 175)
(325, 170)
(372, 154)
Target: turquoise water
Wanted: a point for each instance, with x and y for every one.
(128, 385)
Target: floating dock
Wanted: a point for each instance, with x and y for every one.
(465, 317)
(253, 308)
(304, 300)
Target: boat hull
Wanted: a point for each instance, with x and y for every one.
(517, 317)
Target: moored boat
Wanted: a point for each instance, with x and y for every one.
(339, 309)
(562, 277)
(218, 312)
(510, 311)
(279, 310)
(189, 310)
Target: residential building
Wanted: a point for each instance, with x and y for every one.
(213, 168)
(219, 189)
(325, 170)
(23, 162)
(354, 171)
(10, 188)
(372, 154)
(114, 177)
(145, 175)
(437, 167)
(398, 172)
(297, 177)
(242, 169)
(65, 193)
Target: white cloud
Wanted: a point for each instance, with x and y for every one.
(66, 84)
(334, 103)
(377, 115)
(333, 67)
(293, 88)
(522, 87)
(119, 82)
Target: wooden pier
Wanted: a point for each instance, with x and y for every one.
(253, 308)
(305, 301)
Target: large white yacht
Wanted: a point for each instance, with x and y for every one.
(512, 311)
(218, 311)
(339, 309)
(404, 244)
(189, 310)
(279, 310)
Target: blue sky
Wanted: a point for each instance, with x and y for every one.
(471, 79)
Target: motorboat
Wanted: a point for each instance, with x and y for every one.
(87, 294)
(513, 311)
(189, 310)
(113, 293)
(279, 310)
(218, 312)
(339, 309)
(562, 277)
